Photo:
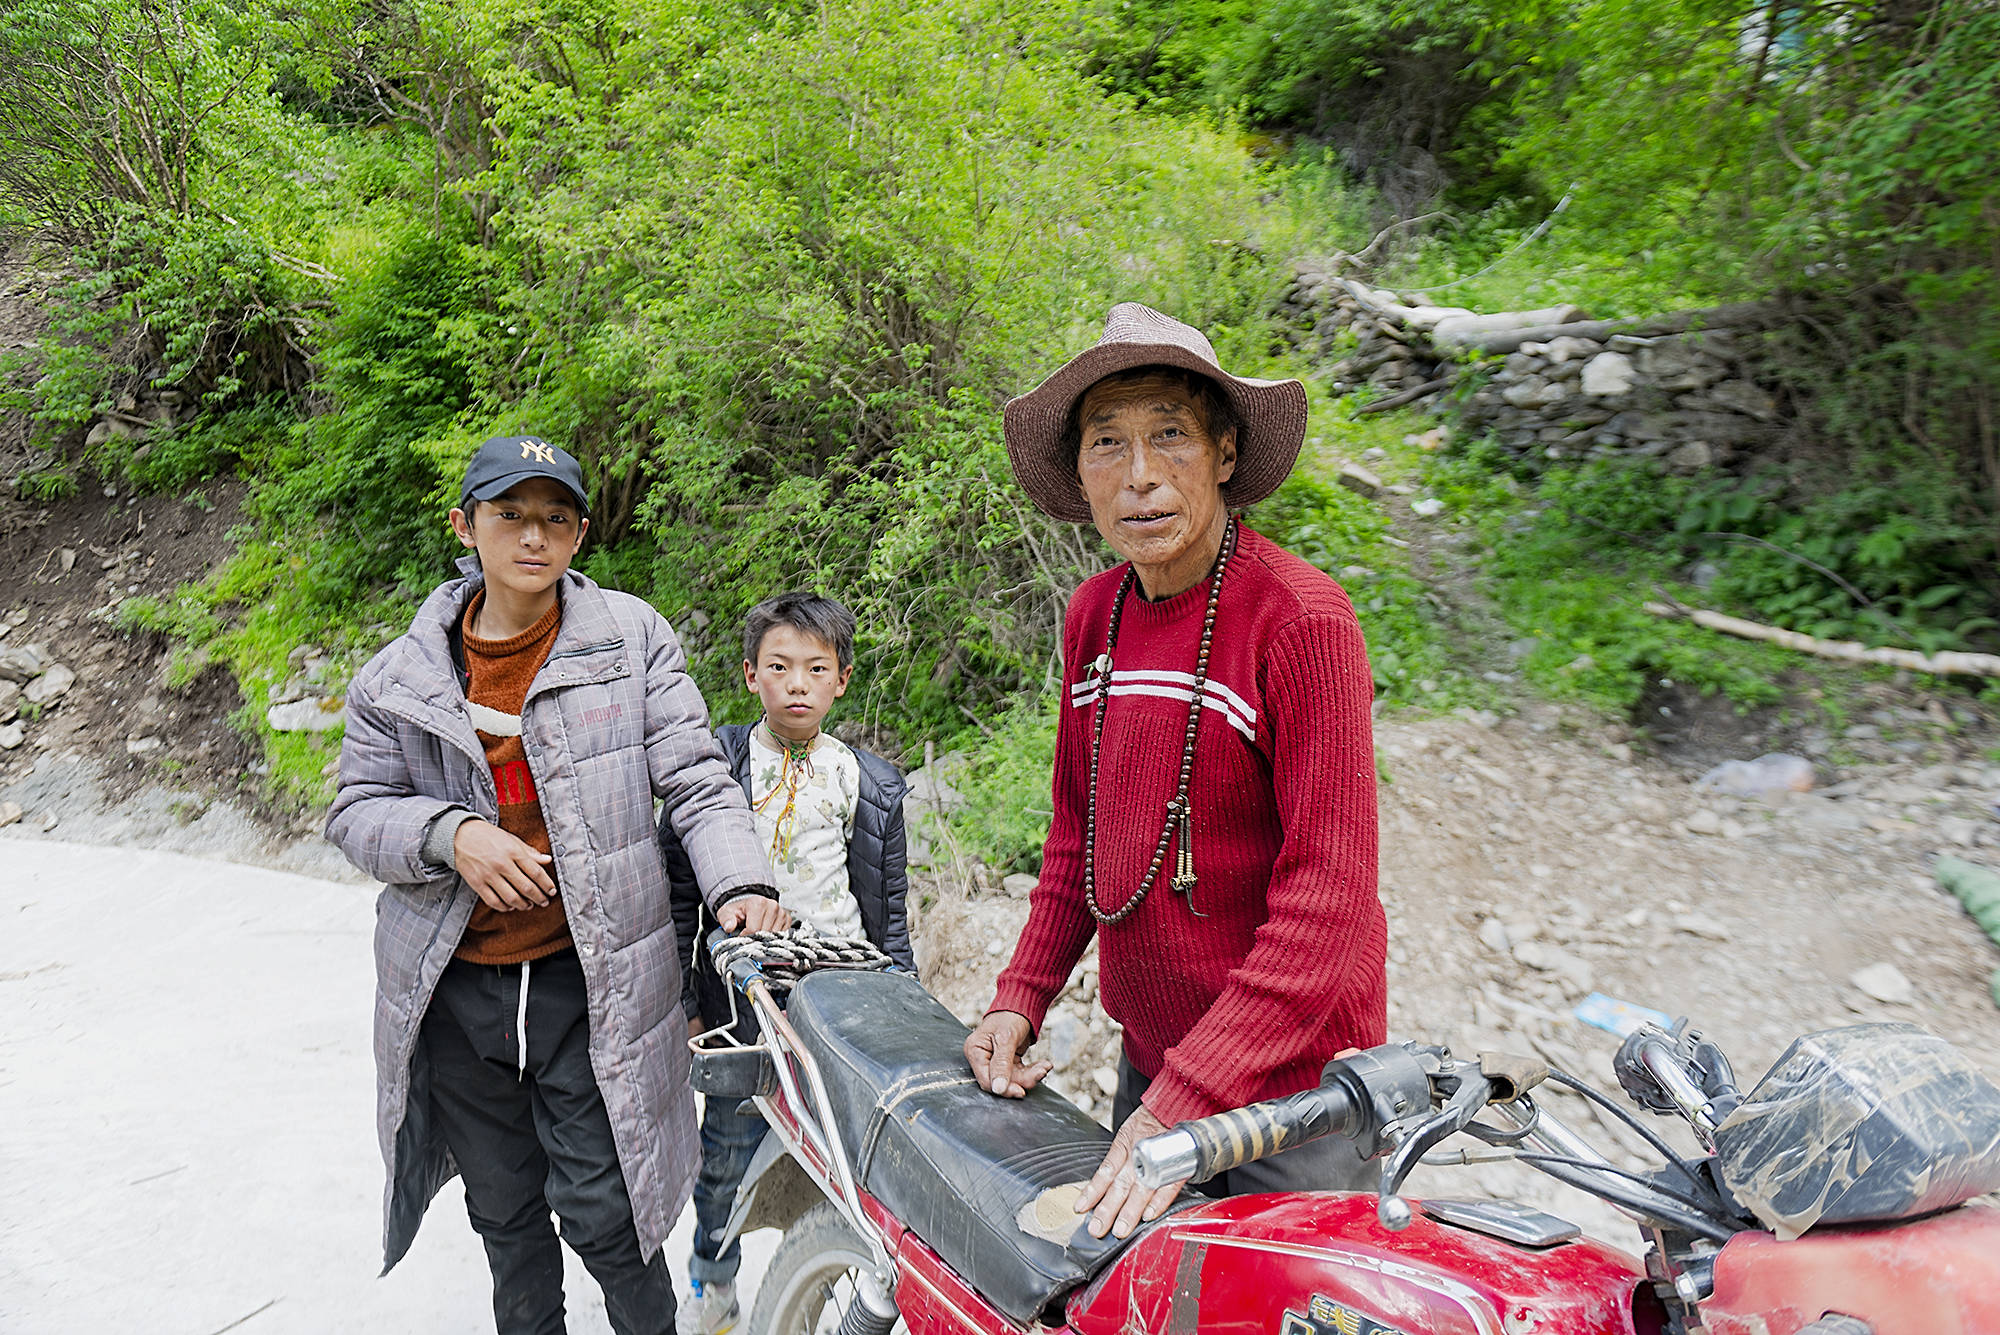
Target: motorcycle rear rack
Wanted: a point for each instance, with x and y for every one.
(771, 1067)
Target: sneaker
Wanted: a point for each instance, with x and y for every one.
(709, 1308)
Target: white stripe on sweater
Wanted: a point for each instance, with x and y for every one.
(1081, 691)
(1080, 697)
(1237, 702)
(491, 721)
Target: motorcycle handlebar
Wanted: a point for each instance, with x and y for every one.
(738, 968)
(1357, 1097)
(1199, 1150)
(1678, 1072)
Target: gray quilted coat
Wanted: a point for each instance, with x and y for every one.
(611, 722)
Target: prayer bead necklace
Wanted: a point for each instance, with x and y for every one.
(1180, 818)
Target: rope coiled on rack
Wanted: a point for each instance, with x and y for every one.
(787, 956)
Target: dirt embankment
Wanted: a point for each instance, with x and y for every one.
(110, 741)
(103, 736)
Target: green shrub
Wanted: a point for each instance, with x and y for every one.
(1344, 535)
(153, 145)
(1573, 556)
(210, 446)
(46, 484)
(1006, 783)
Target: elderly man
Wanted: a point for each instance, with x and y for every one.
(1214, 773)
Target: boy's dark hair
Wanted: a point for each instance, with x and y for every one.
(1212, 407)
(808, 613)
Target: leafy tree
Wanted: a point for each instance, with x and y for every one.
(772, 274)
(145, 134)
(145, 102)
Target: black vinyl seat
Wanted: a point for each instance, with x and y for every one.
(956, 1164)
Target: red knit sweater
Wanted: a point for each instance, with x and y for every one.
(1286, 969)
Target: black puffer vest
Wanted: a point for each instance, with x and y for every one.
(876, 876)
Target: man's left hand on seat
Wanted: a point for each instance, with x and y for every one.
(993, 1051)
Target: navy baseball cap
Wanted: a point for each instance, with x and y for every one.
(506, 460)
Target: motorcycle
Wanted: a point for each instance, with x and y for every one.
(1836, 1197)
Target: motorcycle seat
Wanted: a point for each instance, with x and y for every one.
(953, 1162)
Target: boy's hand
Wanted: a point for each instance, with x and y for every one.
(753, 913)
(502, 869)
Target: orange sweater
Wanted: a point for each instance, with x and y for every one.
(500, 673)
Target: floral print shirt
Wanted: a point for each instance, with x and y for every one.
(804, 809)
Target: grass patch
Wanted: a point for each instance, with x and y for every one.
(1483, 265)
(1351, 538)
(1570, 558)
(248, 617)
(1005, 783)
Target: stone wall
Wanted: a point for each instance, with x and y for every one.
(1552, 383)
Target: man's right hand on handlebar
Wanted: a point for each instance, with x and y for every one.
(752, 913)
(993, 1051)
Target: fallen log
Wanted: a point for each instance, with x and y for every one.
(1382, 303)
(1407, 396)
(1464, 330)
(1851, 651)
(1737, 315)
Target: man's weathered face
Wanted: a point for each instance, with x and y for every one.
(1153, 476)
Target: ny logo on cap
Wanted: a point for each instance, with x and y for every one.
(540, 453)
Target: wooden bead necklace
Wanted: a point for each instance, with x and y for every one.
(1180, 818)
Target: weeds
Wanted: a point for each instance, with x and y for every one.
(47, 485)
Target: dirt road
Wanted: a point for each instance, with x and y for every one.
(187, 1110)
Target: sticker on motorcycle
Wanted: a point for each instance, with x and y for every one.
(1324, 1316)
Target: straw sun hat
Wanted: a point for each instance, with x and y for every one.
(1271, 414)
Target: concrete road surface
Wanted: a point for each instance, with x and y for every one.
(187, 1140)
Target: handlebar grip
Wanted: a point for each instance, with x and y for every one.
(1201, 1149)
(737, 968)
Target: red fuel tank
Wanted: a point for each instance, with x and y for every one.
(1321, 1264)
(1936, 1276)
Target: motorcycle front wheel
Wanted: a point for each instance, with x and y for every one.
(810, 1282)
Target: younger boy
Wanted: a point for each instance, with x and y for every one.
(499, 770)
(830, 817)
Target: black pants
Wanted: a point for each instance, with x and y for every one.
(1328, 1164)
(534, 1137)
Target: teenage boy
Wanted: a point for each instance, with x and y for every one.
(499, 771)
(831, 818)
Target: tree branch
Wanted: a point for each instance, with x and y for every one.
(1849, 651)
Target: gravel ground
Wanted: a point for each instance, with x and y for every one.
(1530, 860)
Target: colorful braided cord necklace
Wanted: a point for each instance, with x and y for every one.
(798, 767)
